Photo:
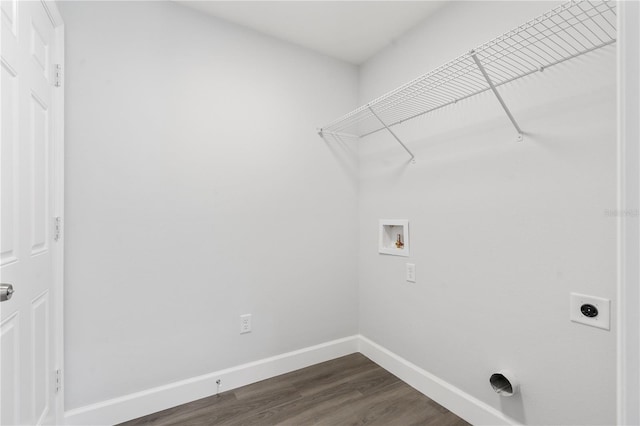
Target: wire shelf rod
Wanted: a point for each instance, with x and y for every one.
(604, 18)
(560, 32)
(479, 92)
(456, 75)
(542, 38)
(587, 27)
(445, 94)
(426, 112)
(613, 11)
(389, 94)
(460, 93)
(514, 59)
(563, 33)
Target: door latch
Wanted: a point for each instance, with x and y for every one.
(6, 292)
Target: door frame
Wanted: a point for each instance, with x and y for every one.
(57, 145)
(628, 318)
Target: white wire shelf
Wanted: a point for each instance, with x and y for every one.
(565, 32)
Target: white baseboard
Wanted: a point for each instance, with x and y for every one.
(149, 401)
(455, 400)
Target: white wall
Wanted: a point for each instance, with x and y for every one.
(197, 190)
(501, 232)
(190, 145)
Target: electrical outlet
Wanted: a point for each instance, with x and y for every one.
(590, 310)
(411, 272)
(245, 323)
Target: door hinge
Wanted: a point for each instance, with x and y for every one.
(58, 380)
(57, 75)
(57, 230)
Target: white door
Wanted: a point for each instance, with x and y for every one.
(27, 320)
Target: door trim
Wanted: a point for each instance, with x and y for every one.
(57, 247)
(628, 318)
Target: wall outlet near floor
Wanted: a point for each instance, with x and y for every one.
(411, 272)
(590, 310)
(245, 323)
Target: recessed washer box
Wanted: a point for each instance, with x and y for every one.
(394, 237)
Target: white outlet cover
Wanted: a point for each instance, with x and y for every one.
(411, 272)
(245, 323)
(602, 320)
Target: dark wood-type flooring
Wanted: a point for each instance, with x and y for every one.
(351, 390)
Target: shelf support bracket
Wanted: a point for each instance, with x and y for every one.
(495, 92)
(393, 134)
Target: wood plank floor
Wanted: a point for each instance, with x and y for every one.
(351, 390)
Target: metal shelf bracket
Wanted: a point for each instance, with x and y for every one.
(413, 157)
(495, 92)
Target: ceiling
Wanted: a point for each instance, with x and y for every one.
(351, 31)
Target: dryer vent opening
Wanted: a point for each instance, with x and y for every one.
(503, 383)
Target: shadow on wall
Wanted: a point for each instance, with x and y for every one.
(344, 152)
(513, 407)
